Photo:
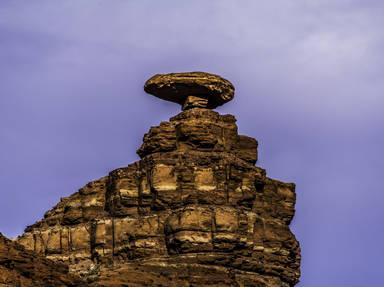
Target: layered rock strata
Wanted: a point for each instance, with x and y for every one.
(22, 268)
(193, 211)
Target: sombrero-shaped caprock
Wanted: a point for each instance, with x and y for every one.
(191, 90)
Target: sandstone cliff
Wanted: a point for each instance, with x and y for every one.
(193, 211)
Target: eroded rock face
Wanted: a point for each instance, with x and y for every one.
(193, 211)
(19, 267)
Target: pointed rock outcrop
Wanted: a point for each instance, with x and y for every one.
(193, 211)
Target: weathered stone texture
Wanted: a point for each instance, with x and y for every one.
(193, 211)
(19, 267)
(191, 90)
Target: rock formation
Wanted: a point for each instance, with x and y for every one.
(193, 211)
(191, 90)
(21, 268)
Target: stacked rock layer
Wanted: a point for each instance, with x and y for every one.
(22, 268)
(194, 211)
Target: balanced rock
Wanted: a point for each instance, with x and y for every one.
(193, 211)
(191, 90)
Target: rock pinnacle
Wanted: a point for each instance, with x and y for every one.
(194, 210)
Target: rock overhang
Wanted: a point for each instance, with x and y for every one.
(191, 89)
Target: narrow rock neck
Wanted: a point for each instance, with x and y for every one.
(194, 102)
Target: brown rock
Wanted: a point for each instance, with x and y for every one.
(191, 90)
(19, 267)
(194, 210)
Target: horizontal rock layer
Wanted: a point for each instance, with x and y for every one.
(19, 267)
(195, 210)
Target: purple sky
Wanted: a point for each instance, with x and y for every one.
(309, 86)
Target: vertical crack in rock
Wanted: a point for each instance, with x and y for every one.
(195, 210)
(22, 268)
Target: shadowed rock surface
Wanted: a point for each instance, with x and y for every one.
(193, 211)
(19, 267)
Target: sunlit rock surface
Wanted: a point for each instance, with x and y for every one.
(194, 211)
